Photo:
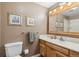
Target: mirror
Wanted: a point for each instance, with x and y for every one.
(66, 21)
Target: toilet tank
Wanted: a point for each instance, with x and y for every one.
(13, 49)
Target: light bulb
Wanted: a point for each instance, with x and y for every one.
(61, 7)
(69, 3)
(54, 10)
(50, 12)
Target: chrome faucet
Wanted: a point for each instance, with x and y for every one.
(54, 36)
(61, 39)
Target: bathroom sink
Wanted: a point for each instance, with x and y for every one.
(51, 37)
(62, 40)
(64, 43)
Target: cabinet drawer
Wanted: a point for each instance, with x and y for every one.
(74, 54)
(58, 48)
(58, 54)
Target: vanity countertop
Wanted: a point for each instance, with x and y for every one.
(66, 44)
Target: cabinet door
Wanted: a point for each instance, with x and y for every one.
(74, 54)
(58, 54)
(51, 52)
(58, 48)
(42, 50)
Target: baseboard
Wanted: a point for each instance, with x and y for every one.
(37, 55)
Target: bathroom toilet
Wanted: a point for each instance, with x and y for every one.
(13, 49)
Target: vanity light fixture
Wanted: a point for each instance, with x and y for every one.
(54, 10)
(61, 7)
(50, 12)
(69, 3)
(61, 4)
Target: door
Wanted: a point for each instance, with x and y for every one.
(43, 50)
(74, 54)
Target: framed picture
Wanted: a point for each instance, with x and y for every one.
(14, 19)
(30, 21)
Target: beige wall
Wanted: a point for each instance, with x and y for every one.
(10, 33)
(0, 24)
(1, 49)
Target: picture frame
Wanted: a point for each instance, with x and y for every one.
(30, 21)
(14, 19)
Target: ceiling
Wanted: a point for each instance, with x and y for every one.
(46, 4)
(71, 13)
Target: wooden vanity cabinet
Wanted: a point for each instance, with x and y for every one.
(51, 50)
(74, 54)
(53, 53)
(42, 48)
(58, 48)
(58, 54)
(56, 51)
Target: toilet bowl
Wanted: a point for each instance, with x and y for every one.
(13, 49)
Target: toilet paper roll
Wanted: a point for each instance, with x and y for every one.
(26, 51)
